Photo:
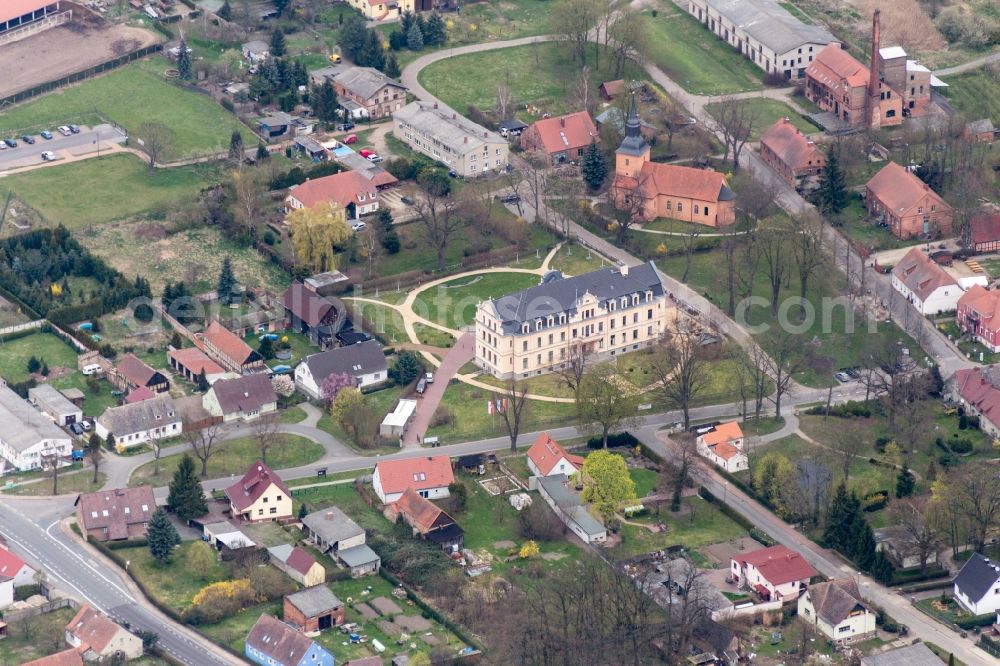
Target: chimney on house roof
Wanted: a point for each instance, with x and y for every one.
(624, 270)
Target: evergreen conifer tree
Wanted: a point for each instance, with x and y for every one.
(905, 483)
(186, 496)
(162, 536)
(278, 47)
(184, 68)
(236, 146)
(415, 38)
(434, 30)
(226, 11)
(392, 67)
(227, 281)
(594, 168)
(266, 348)
(832, 193)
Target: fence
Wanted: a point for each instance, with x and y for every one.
(17, 328)
(11, 616)
(35, 27)
(81, 75)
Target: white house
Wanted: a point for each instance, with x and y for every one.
(55, 404)
(924, 283)
(6, 592)
(723, 447)
(547, 458)
(430, 476)
(98, 638)
(363, 361)
(398, 420)
(260, 495)
(27, 437)
(13, 567)
(241, 399)
(977, 585)
(570, 510)
(138, 422)
(838, 611)
(775, 573)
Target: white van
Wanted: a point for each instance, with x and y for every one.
(91, 369)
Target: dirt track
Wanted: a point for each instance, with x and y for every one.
(85, 41)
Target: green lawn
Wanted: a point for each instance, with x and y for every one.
(293, 415)
(299, 345)
(546, 83)
(453, 304)
(428, 335)
(14, 355)
(574, 259)
(950, 612)
(109, 188)
(698, 524)
(831, 336)
(645, 480)
(234, 457)
(78, 482)
(769, 111)
(386, 321)
(35, 638)
(471, 421)
(695, 58)
(130, 96)
(173, 583)
(975, 94)
(382, 402)
(856, 225)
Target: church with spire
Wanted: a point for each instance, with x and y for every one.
(667, 190)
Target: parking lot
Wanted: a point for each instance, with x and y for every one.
(63, 146)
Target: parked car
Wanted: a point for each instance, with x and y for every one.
(74, 129)
(853, 373)
(842, 377)
(429, 376)
(49, 156)
(86, 425)
(333, 57)
(343, 127)
(76, 428)
(421, 386)
(64, 130)
(408, 200)
(453, 173)
(28, 139)
(358, 226)
(351, 138)
(510, 199)
(364, 152)
(45, 134)
(375, 159)
(77, 453)
(10, 142)
(3, 145)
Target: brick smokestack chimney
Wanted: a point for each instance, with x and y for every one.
(873, 74)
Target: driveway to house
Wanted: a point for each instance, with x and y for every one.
(460, 354)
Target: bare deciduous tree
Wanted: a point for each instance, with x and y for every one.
(775, 246)
(441, 220)
(809, 253)
(248, 189)
(679, 366)
(51, 463)
(513, 408)
(784, 359)
(627, 39)
(911, 516)
(973, 492)
(849, 443)
(575, 366)
(156, 139)
(604, 403)
(734, 120)
(628, 204)
(505, 100)
(202, 442)
(265, 431)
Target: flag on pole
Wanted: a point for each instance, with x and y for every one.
(489, 406)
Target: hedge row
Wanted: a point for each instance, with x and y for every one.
(614, 441)
(978, 621)
(909, 576)
(431, 612)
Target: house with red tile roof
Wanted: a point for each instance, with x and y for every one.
(978, 315)
(723, 447)
(259, 496)
(789, 152)
(907, 204)
(978, 391)
(115, 514)
(229, 351)
(351, 190)
(985, 231)
(191, 362)
(925, 284)
(682, 193)
(561, 138)
(132, 373)
(430, 476)
(12, 566)
(427, 519)
(96, 637)
(243, 398)
(546, 458)
(69, 657)
(775, 573)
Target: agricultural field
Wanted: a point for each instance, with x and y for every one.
(769, 111)
(100, 190)
(130, 96)
(695, 58)
(540, 75)
(195, 255)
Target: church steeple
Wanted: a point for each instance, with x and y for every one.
(634, 151)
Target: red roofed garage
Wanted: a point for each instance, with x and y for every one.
(15, 13)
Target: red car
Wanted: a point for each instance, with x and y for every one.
(364, 152)
(351, 138)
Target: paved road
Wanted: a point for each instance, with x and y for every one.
(62, 146)
(460, 354)
(31, 528)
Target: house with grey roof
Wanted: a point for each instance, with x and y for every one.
(977, 585)
(331, 530)
(917, 654)
(439, 132)
(28, 438)
(568, 507)
(241, 399)
(138, 422)
(359, 560)
(678, 581)
(600, 314)
(364, 92)
(765, 32)
(838, 611)
(55, 404)
(364, 361)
